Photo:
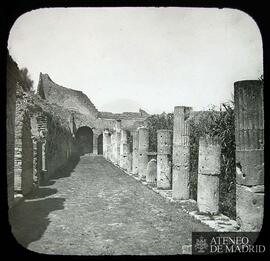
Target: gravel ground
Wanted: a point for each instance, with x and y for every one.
(93, 208)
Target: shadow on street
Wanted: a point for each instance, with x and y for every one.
(29, 218)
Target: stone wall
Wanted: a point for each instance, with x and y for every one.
(44, 141)
(23, 179)
(84, 112)
(12, 78)
(100, 124)
(65, 97)
(59, 146)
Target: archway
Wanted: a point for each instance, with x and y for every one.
(100, 144)
(84, 138)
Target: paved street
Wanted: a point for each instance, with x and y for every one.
(93, 208)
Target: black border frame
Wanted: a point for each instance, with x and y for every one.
(10, 10)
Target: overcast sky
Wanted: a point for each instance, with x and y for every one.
(153, 58)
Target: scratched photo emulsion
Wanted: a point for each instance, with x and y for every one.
(135, 131)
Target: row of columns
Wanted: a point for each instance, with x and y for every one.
(249, 155)
(171, 168)
(162, 172)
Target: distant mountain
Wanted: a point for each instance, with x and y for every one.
(121, 105)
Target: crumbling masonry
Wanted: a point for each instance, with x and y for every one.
(48, 129)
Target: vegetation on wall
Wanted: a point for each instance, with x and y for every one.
(215, 124)
(25, 80)
(157, 122)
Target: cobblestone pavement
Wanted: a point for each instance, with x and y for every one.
(96, 209)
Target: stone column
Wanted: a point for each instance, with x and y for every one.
(249, 137)
(164, 151)
(105, 143)
(135, 153)
(124, 150)
(181, 154)
(39, 161)
(95, 143)
(142, 151)
(18, 164)
(118, 140)
(44, 161)
(43, 132)
(35, 161)
(151, 173)
(109, 149)
(34, 137)
(208, 175)
(129, 161)
(113, 147)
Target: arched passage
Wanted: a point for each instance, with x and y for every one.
(84, 138)
(100, 144)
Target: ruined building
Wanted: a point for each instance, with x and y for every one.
(87, 123)
(48, 128)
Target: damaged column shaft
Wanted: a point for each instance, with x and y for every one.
(181, 153)
(129, 161)
(142, 151)
(208, 175)
(151, 173)
(109, 146)
(42, 122)
(36, 173)
(113, 147)
(106, 138)
(164, 148)
(44, 162)
(249, 138)
(117, 141)
(95, 144)
(135, 153)
(124, 150)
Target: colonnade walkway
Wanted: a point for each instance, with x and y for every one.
(94, 208)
